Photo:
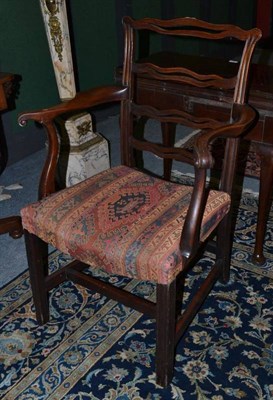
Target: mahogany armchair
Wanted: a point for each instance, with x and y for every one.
(128, 222)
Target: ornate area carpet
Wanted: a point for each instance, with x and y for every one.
(245, 238)
(94, 348)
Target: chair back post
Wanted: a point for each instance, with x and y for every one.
(126, 119)
(251, 40)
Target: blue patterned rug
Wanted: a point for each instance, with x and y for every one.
(244, 240)
(94, 348)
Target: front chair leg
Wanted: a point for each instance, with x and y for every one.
(165, 333)
(37, 254)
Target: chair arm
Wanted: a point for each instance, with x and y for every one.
(82, 100)
(243, 116)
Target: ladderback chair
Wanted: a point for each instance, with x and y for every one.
(132, 223)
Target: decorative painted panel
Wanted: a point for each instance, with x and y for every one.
(83, 152)
(57, 30)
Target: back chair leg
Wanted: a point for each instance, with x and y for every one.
(224, 245)
(168, 135)
(165, 333)
(180, 285)
(37, 253)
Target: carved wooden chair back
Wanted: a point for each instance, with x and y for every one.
(228, 77)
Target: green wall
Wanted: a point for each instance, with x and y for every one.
(144, 8)
(24, 51)
(95, 41)
(96, 35)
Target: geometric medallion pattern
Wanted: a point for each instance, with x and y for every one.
(125, 221)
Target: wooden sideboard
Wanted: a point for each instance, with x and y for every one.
(207, 100)
(12, 224)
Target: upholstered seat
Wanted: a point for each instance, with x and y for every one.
(124, 221)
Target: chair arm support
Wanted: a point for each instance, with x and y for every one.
(243, 116)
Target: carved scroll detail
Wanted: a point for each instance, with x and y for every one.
(55, 26)
(57, 30)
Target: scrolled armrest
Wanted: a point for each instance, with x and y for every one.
(82, 100)
(243, 116)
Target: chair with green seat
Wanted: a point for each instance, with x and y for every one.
(132, 223)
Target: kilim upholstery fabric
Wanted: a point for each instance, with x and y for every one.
(124, 221)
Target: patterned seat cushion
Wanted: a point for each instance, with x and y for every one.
(123, 221)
